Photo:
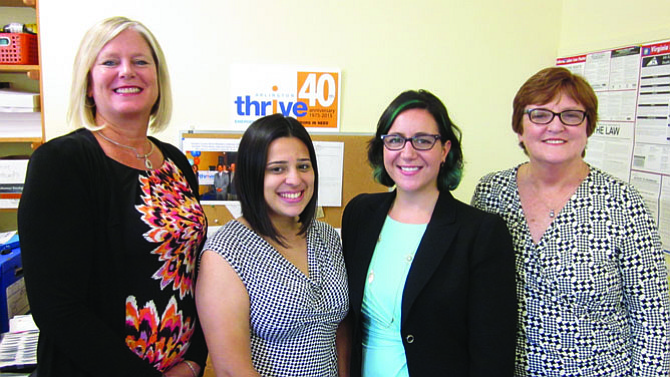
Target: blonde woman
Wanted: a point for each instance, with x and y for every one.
(110, 222)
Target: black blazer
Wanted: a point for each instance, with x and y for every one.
(459, 301)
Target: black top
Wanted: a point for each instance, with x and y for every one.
(109, 254)
(458, 303)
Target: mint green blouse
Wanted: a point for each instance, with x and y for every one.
(383, 351)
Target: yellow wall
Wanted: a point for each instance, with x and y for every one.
(603, 24)
(473, 55)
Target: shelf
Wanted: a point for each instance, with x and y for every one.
(32, 71)
(34, 140)
(12, 73)
(18, 68)
(17, 3)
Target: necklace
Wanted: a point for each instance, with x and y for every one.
(147, 162)
(562, 200)
(552, 211)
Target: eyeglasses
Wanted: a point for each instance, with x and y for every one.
(396, 142)
(567, 117)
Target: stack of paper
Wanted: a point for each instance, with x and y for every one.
(18, 351)
(12, 177)
(18, 347)
(12, 100)
(20, 114)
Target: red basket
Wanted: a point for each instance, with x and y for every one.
(18, 48)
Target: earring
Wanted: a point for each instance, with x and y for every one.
(89, 103)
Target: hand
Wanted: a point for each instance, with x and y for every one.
(182, 370)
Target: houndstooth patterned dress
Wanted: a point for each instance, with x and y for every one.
(293, 317)
(593, 293)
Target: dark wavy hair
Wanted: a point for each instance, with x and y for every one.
(249, 179)
(451, 170)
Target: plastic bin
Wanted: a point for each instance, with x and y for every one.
(18, 48)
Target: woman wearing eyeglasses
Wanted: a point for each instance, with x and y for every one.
(591, 279)
(431, 279)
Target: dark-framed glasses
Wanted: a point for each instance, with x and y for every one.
(395, 142)
(545, 116)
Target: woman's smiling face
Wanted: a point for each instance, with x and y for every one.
(554, 143)
(123, 79)
(289, 178)
(415, 171)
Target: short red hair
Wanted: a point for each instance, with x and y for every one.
(549, 83)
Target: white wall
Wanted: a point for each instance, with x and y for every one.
(473, 55)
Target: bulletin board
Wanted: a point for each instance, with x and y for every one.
(356, 179)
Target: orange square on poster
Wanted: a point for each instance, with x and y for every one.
(320, 90)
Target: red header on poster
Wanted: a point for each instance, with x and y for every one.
(656, 49)
(571, 60)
